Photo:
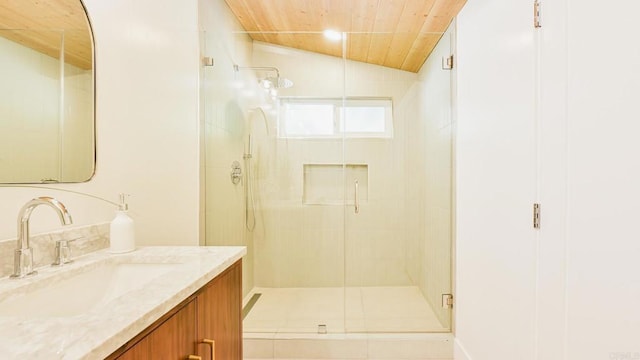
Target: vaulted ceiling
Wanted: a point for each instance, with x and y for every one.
(394, 33)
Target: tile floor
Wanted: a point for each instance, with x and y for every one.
(381, 323)
(357, 309)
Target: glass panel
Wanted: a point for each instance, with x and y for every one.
(306, 119)
(398, 240)
(346, 211)
(363, 119)
(288, 208)
(326, 117)
(299, 262)
(366, 118)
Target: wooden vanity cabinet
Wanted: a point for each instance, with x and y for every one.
(213, 313)
(219, 308)
(172, 339)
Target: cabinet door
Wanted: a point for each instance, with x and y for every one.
(174, 339)
(140, 351)
(220, 315)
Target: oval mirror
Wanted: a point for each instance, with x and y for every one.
(47, 92)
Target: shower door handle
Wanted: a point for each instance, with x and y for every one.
(356, 198)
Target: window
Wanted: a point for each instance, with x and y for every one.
(334, 118)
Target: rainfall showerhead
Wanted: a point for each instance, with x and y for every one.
(276, 82)
(269, 82)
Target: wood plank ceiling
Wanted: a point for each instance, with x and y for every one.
(394, 33)
(38, 24)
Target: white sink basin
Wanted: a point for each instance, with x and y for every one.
(83, 292)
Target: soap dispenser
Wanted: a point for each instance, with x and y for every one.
(122, 232)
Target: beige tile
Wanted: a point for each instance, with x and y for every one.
(310, 325)
(355, 325)
(258, 348)
(350, 346)
(263, 326)
(400, 324)
(391, 302)
(409, 349)
(321, 349)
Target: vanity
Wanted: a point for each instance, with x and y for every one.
(152, 303)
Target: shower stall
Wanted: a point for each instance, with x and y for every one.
(344, 198)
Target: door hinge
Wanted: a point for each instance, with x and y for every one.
(207, 61)
(536, 216)
(536, 14)
(447, 301)
(447, 62)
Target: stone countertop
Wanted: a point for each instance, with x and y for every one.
(102, 329)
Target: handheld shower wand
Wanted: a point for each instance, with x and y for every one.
(249, 201)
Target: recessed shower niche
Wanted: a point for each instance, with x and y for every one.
(324, 184)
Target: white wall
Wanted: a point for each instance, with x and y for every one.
(603, 188)
(577, 298)
(147, 65)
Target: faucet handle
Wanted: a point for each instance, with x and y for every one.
(63, 252)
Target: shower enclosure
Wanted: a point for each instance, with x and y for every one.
(345, 191)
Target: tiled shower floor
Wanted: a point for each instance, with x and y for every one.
(359, 309)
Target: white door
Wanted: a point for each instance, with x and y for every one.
(496, 180)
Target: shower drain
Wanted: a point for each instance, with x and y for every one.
(249, 306)
(322, 329)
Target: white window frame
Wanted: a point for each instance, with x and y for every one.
(338, 104)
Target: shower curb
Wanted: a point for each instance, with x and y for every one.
(374, 346)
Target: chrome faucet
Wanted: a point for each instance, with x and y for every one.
(23, 259)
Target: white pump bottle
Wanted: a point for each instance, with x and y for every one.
(122, 230)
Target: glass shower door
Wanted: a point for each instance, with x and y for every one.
(296, 162)
(397, 131)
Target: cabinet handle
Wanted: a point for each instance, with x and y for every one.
(212, 345)
(194, 357)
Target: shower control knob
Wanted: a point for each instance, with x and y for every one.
(236, 173)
